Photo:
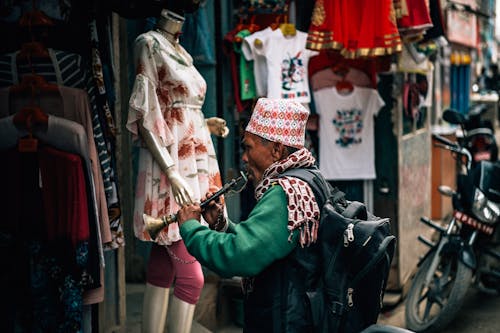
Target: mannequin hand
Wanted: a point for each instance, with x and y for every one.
(217, 126)
(188, 212)
(183, 194)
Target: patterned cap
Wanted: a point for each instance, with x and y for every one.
(279, 120)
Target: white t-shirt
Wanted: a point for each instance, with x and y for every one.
(287, 59)
(252, 47)
(346, 132)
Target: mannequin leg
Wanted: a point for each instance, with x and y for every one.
(159, 278)
(180, 316)
(154, 309)
(188, 285)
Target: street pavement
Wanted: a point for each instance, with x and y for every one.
(480, 313)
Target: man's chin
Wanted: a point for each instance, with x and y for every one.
(251, 178)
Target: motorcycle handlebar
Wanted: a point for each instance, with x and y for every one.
(445, 141)
(453, 146)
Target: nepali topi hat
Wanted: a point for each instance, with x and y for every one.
(279, 120)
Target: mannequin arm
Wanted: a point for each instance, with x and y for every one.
(217, 126)
(181, 190)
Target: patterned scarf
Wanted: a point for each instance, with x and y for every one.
(303, 211)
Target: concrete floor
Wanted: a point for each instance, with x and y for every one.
(205, 320)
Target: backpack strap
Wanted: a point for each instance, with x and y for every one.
(321, 188)
(355, 210)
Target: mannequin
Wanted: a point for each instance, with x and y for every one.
(177, 164)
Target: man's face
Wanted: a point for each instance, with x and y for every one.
(258, 155)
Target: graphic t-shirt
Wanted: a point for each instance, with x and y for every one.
(252, 49)
(287, 59)
(346, 132)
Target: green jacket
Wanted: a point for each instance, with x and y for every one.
(248, 247)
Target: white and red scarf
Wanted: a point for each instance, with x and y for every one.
(303, 211)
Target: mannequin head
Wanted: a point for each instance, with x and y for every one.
(183, 6)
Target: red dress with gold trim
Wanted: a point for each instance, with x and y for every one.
(363, 28)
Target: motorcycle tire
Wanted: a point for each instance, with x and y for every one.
(422, 310)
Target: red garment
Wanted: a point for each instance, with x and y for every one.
(64, 195)
(418, 17)
(363, 28)
(333, 59)
(324, 33)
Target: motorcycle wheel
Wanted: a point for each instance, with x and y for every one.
(430, 309)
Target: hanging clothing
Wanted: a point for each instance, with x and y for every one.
(69, 70)
(245, 69)
(167, 96)
(287, 66)
(436, 13)
(413, 25)
(72, 104)
(365, 28)
(346, 132)
(69, 136)
(49, 241)
(328, 78)
(228, 50)
(197, 38)
(252, 48)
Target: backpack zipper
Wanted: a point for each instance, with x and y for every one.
(348, 234)
(350, 302)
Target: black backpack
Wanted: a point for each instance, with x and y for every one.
(356, 250)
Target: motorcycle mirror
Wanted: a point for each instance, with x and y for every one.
(454, 117)
(446, 190)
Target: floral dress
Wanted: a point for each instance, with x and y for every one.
(168, 94)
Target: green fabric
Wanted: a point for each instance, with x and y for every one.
(247, 79)
(250, 246)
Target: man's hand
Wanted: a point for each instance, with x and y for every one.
(213, 210)
(188, 212)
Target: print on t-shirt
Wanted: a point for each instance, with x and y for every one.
(292, 72)
(349, 124)
(287, 60)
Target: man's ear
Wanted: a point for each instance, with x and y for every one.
(279, 151)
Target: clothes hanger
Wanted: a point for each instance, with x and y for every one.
(252, 27)
(33, 84)
(343, 86)
(34, 48)
(275, 25)
(288, 29)
(29, 117)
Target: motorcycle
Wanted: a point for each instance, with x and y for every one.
(463, 253)
(478, 133)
